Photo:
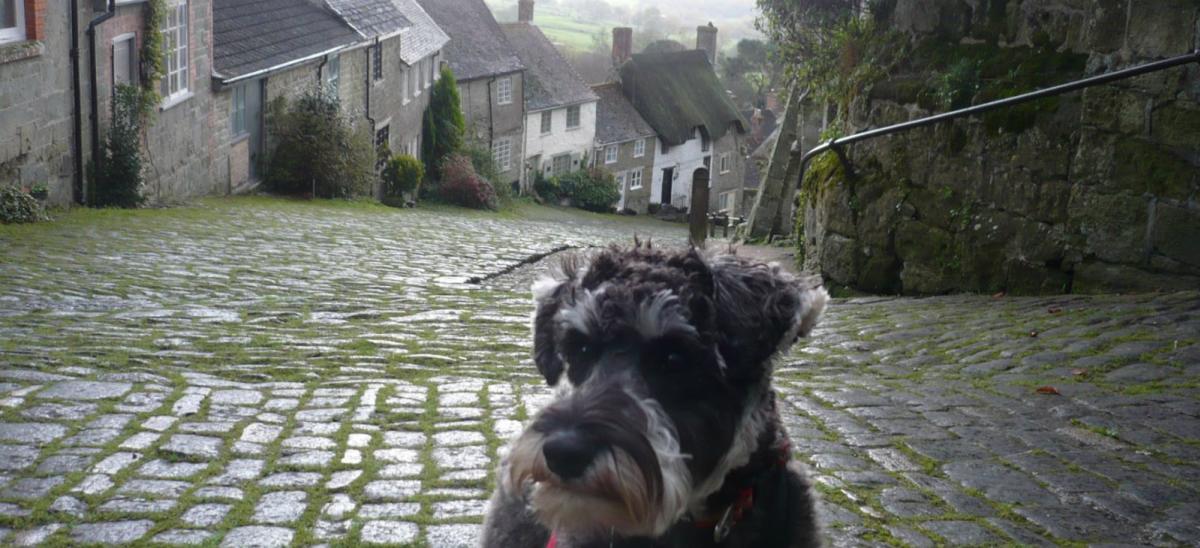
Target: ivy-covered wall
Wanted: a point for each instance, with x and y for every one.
(1086, 192)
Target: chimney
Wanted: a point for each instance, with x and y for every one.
(706, 39)
(525, 11)
(622, 45)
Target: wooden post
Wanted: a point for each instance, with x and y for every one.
(698, 214)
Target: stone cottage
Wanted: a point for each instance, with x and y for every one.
(490, 78)
(379, 57)
(223, 61)
(679, 95)
(625, 145)
(560, 108)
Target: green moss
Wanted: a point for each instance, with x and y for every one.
(1143, 167)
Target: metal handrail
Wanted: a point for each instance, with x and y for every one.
(836, 144)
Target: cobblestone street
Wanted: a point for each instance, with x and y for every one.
(272, 373)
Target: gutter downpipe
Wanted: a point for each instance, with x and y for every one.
(77, 119)
(367, 103)
(95, 93)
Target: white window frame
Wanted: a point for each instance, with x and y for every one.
(404, 97)
(419, 76)
(437, 66)
(725, 162)
(333, 74)
(725, 201)
(611, 153)
(377, 63)
(547, 122)
(504, 91)
(578, 117)
(635, 179)
(620, 176)
(639, 148)
(15, 33)
(237, 110)
(176, 82)
(131, 60)
(502, 153)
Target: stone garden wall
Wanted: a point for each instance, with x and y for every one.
(1088, 192)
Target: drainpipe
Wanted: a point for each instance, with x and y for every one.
(367, 103)
(95, 93)
(77, 119)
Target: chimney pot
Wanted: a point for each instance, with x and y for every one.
(525, 11)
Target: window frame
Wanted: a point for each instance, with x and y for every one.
(639, 148)
(237, 111)
(429, 63)
(132, 61)
(725, 201)
(547, 122)
(404, 96)
(578, 110)
(724, 163)
(18, 32)
(631, 177)
(377, 61)
(502, 144)
(333, 74)
(504, 91)
(612, 153)
(180, 77)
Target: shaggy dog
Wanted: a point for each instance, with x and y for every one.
(664, 430)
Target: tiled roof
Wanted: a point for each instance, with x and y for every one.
(676, 92)
(371, 18)
(423, 38)
(550, 81)
(248, 36)
(477, 48)
(616, 119)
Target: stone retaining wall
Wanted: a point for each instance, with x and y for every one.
(1089, 192)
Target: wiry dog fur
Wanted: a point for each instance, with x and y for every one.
(664, 414)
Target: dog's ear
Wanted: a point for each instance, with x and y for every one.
(546, 302)
(761, 310)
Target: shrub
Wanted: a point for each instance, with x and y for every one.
(402, 175)
(19, 207)
(443, 124)
(592, 189)
(317, 150)
(485, 166)
(546, 187)
(118, 181)
(462, 186)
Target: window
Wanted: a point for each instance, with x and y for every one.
(610, 154)
(504, 90)
(238, 110)
(635, 179)
(639, 148)
(708, 162)
(333, 75)
(502, 153)
(725, 201)
(413, 90)
(432, 66)
(124, 61)
(12, 21)
(437, 66)
(547, 119)
(573, 117)
(419, 68)
(725, 163)
(621, 182)
(404, 85)
(377, 59)
(704, 144)
(383, 143)
(561, 164)
(175, 48)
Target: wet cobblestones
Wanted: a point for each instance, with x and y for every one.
(257, 372)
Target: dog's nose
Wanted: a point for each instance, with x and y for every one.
(568, 453)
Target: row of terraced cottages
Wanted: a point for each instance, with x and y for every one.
(225, 60)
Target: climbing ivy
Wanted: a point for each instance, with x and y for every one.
(152, 58)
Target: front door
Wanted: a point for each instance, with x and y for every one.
(668, 178)
(254, 123)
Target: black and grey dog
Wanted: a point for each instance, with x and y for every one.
(664, 430)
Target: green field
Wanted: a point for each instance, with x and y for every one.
(568, 32)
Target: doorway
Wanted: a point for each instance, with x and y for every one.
(667, 179)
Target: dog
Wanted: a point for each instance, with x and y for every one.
(664, 430)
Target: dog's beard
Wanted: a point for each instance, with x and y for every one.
(614, 493)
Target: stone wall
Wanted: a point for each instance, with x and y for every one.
(486, 119)
(1089, 192)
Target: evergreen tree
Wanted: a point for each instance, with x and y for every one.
(443, 124)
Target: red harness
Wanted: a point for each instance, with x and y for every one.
(722, 524)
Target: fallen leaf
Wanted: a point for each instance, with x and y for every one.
(1048, 390)
(1033, 333)
(998, 295)
(1054, 310)
(1079, 372)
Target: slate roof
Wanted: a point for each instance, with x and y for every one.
(677, 92)
(423, 38)
(370, 18)
(478, 47)
(550, 81)
(616, 119)
(249, 37)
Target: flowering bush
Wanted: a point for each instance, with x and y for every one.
(462, 186)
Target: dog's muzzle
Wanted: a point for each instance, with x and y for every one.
(601, 458)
